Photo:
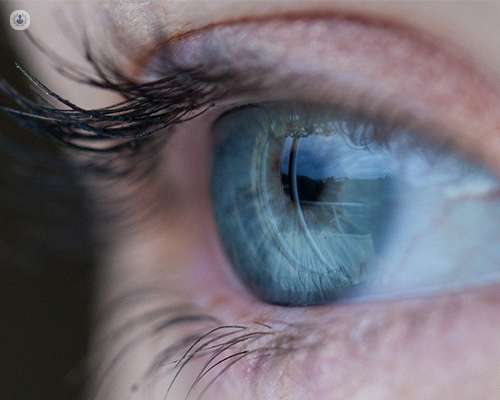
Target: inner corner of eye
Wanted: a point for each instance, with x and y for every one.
(317, 205)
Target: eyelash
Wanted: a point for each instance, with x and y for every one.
(180, 95)
(204, 337)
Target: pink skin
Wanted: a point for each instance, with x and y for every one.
(440, 347)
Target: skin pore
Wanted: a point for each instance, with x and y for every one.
(165, 284)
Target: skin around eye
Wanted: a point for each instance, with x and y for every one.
(444, 346)
(389, 347)
(382, 350)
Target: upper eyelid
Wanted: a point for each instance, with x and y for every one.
(477, 134)
(411, 78)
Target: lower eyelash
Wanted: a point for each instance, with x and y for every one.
(216, 346)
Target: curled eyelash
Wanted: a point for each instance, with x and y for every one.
(206, 344)
(124, 139)
(147, 107)
(139, 116)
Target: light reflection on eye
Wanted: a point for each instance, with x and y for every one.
(316, 205)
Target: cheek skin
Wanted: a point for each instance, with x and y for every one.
(444, 346)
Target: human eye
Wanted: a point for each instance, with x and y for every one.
(203, 168)
(315, 206)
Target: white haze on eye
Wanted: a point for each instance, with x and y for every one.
(445, 232)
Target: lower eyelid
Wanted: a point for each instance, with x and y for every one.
(341, 338)
(337, 347)
(338, 340)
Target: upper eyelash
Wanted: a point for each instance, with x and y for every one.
(182, 93)
(147, 108)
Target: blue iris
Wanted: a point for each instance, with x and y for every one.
(302, 198)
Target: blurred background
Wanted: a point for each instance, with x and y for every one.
(46, 256)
